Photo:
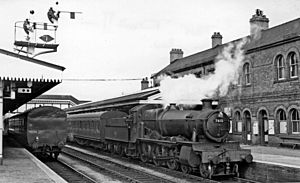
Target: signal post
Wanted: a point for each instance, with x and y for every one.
(1, 122)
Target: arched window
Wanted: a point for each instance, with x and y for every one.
(293, 61)
(238, 121)
(295, 121)
(281, 118)
(280, 67)
(247, 73)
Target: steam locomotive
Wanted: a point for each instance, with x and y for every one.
(189, 140)
(43, 129)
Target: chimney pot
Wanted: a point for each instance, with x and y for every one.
(175, 54)
(144, 83)
(216, 39)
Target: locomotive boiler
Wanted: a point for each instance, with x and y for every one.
(186, 140)
(43, 129)
(193, 125)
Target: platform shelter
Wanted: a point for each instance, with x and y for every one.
(22, 79)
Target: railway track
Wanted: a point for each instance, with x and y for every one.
(69, 173)
(239, 180)
(119, 171)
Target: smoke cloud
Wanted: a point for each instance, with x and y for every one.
(191, 90)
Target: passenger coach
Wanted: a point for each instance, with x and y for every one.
(43, 130)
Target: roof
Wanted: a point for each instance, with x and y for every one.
(288, 31)
(38, 87)
(61, 97)
(29, 59)
(25, 78)
(19, 66)
(126, 100)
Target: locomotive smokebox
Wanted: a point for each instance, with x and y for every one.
(207, 103)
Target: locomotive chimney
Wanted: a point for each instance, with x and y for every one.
(175, 54)
(172, 106)
(206, 103)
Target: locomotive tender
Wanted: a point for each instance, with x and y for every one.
(43, 129)
(189, 140)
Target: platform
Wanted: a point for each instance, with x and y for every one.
(273, 164)
(275, 155)
(19, 166)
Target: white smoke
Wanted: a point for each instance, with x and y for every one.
(191, 90)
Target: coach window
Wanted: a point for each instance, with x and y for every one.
(280, 67)
(293, 61)
(247, 73)
(281, 117)
(295, 121)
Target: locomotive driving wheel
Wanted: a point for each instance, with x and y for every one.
(185, 169)
(206, 170)
(146, 149)
(156, 154)
(172, 163)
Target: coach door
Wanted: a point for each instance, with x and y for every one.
(247, 133)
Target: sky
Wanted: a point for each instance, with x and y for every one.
(131, 39)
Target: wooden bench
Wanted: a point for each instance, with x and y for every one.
(290, 141)
(291, 144)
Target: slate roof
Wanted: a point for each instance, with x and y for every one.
(126, 100)
(61, 97)
(288, 31)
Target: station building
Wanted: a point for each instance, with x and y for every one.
(264, 104)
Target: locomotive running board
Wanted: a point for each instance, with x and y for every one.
(157, 141)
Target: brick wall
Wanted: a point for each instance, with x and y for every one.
(265, 92)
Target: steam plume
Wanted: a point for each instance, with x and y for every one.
(190, 89)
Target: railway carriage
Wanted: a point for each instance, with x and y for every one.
(43, 129)
(99, 129)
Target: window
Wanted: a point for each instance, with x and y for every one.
(281, 117)
(295, 121)
(280, 67)
(247, 73)
(239, 123)
(293, 61)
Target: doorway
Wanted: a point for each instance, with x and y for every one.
(247, 132)
(263, 127)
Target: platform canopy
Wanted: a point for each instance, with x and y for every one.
(24, 78)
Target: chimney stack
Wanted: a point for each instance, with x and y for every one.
(175, 54)
(144, 84)
(216, 39)
(258, 22)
